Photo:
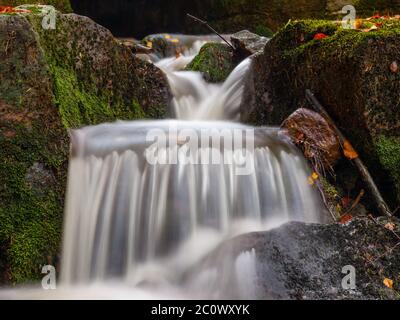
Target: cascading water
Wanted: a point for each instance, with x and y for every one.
(146, 226)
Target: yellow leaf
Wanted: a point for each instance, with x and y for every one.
(388, 283)
(358, 24)
(167, 36)
(310, 181)
(175, 40)
(348, 150)
(149, 44)
(314, 175)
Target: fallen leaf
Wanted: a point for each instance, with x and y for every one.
(167, 36)
(390, 226)
(346, 218)
(175, 40)
(311, 181)
(374, 27)
(320, 36)
(149, 44)
(388, 283)
(7, 9)
(394, 67)
(358, 24)
(348, 151)
(314, 175)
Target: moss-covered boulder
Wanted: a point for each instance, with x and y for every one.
(51, 81)
(215, 60)
(62, 5)
(353, 74)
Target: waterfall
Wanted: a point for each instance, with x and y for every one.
(148, 201)
(147, 223)
(125, 214)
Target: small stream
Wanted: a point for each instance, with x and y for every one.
(148, 201)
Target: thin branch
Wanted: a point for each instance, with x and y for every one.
(211, 28)
(362, 169)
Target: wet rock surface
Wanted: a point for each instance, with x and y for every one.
(312, 133)
(305, 261)
(247, 43)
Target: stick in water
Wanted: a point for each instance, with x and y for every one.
(211, 28)
(362, 169)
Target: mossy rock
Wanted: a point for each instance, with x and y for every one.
(61, 5)
(51, 81)
(215, 61)
(349, 72)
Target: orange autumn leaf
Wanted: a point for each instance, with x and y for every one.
(8, 9)
(348, 151)
(320, 36)
(346, 218)
(358, 24)
(388, 283)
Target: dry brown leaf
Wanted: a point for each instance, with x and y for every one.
(374, 27)
(394, 67)
(349, 151)
(390, 226)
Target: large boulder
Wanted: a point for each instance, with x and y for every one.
(309, 262)
(352, 72)
(51, 81)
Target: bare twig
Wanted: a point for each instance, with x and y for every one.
(355, 203)
(211, 28)
(362, 169)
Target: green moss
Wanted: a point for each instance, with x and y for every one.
(388, 149)
(215, 61)
(30, 214)
(264, 31)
